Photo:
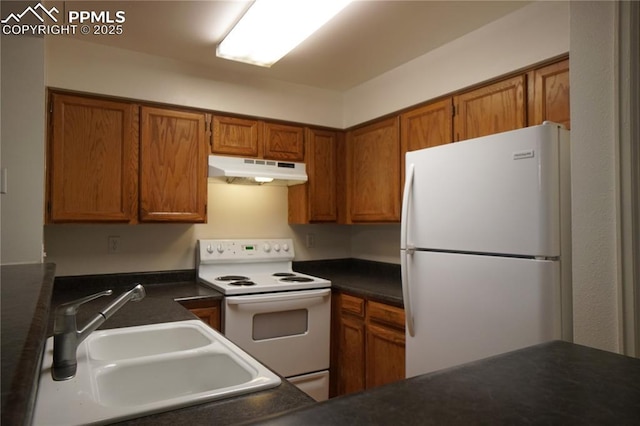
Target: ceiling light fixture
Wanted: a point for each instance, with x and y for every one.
(272, 28)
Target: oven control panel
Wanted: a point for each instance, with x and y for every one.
(245, 250)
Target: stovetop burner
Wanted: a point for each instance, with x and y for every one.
(232, 278)
(294, 279)
(284, 274)
(242, 282)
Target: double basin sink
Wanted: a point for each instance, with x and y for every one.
(129, 372)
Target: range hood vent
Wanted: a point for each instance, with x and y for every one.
(254, 171)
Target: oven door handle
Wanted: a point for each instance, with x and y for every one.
(277, 297)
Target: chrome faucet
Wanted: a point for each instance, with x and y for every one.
(67, 337)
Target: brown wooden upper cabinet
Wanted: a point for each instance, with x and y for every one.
(112, 161)
(316, 200)
(283, 142)
(256, 138)
(92, 161)
(426, 126)
(173, 166)
(236, 136)
(373, 172)
(548, 92)
(490, 109)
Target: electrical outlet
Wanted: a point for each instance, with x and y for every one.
(113, 244)
(311, 240)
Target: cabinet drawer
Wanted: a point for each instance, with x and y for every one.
(351, 304)
(390, 315)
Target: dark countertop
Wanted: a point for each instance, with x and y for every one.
(552, 383)
(159, 305)
(372, 280)
(556, 383)
(26, 294)
(30, 310)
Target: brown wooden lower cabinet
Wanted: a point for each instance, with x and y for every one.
(368, 344)
(207, 310)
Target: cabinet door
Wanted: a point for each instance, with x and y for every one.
(385, 344)
(348, 344)
(93, 171)
(209, 311)
(351, 362)
(495, 108)
(385, 355)
(282, 142)
(427, 126)
(373, 172)
(173, 166)
(236, 136)
(424, 127)
(550, 94)
(210, 316)
(316, 200)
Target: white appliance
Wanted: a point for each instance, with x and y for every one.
(256, 171)
(280, 317)
(486, 247)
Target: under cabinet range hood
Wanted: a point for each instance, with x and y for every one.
(255, 171)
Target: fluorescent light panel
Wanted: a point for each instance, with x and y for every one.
(272, 28)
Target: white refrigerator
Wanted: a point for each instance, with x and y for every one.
(486, 247)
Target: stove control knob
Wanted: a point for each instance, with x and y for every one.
(285, 247)
(220, 248)
(209, 249)
(266, 247)
(276, 247)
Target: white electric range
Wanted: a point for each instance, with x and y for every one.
(279, 316)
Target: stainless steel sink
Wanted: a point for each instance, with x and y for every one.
(129, 372)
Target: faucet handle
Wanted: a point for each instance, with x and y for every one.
(70, 308)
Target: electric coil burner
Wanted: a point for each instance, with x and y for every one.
(242, 282)
(295, 279)
(232, 278)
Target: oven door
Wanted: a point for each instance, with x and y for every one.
(289, 332)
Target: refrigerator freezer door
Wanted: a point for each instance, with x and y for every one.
(468, 307)
(495, 194)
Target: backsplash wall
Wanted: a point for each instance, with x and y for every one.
(234, 211)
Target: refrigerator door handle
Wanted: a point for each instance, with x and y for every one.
(405, 249)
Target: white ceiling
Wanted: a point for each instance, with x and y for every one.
(366, 39)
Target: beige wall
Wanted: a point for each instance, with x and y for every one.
(234, 211)
(89, 67)
(22, 149)
(593, 171)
